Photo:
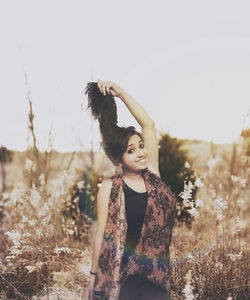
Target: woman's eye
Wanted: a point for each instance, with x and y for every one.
(132, 150)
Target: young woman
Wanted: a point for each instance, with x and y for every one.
(135, 209)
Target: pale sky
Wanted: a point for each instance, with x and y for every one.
(186, 62)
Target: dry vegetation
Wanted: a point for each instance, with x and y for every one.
(41, 258)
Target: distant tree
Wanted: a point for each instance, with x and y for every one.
(82, 206)
(175, 168)
(245, 133)
(6, 156)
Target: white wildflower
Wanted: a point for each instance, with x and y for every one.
(41, 179)
(242, 181)
(39, 264)
(46, 207)
(190, 257)
(235, 256)
(188, 289)
(80, 184)
(5, 196)
(198, 182)
(10, 257)
(26, 234)
(46, 220)
(35, 197)
(219, 265)
(29, 165)
(76, 199)
(70, 231)
(194, 212)
(30, 268)
(32, 222)
(15, 236)
(199, 202)
(44, 211)
(187, 193)
(62, 250)
(238, 225)
(39, 233)
(187, 165)
(220, 205)
(17, 194)
(25, 219)
(212, 191)
(234, 178)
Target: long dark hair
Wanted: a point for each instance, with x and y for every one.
(114, 137)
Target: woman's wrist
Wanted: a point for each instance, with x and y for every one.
(92, 273)
(122, 94)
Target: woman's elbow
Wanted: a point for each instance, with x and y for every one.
(99, 233)
(149, 123)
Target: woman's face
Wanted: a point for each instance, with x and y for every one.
(135, 157)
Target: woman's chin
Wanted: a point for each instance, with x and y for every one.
(143, 166)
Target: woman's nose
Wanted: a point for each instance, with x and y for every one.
(141, 152)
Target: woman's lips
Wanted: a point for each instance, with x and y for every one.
(142, 160)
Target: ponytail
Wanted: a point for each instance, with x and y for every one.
(104, 109)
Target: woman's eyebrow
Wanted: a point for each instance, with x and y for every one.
(133, 144)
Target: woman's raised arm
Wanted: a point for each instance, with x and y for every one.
(149, 132)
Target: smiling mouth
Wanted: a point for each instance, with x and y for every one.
(143, 159)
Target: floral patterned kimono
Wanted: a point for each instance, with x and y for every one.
(151, 258)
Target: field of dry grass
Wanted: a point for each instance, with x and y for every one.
(41, 258)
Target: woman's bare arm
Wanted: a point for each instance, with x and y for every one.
(149, 132)
(136, 110)
(102, 213)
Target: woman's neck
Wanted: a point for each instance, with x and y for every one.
(132, 175)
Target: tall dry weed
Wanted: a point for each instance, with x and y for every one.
(211, 260)
(39, 233)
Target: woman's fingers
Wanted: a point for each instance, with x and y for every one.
(105, 86)
(103, 89)
(99, 84)
(108, 89)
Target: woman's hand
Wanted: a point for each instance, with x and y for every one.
(89, 292)
(109, 87)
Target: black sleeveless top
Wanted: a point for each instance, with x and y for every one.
(135, 204)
